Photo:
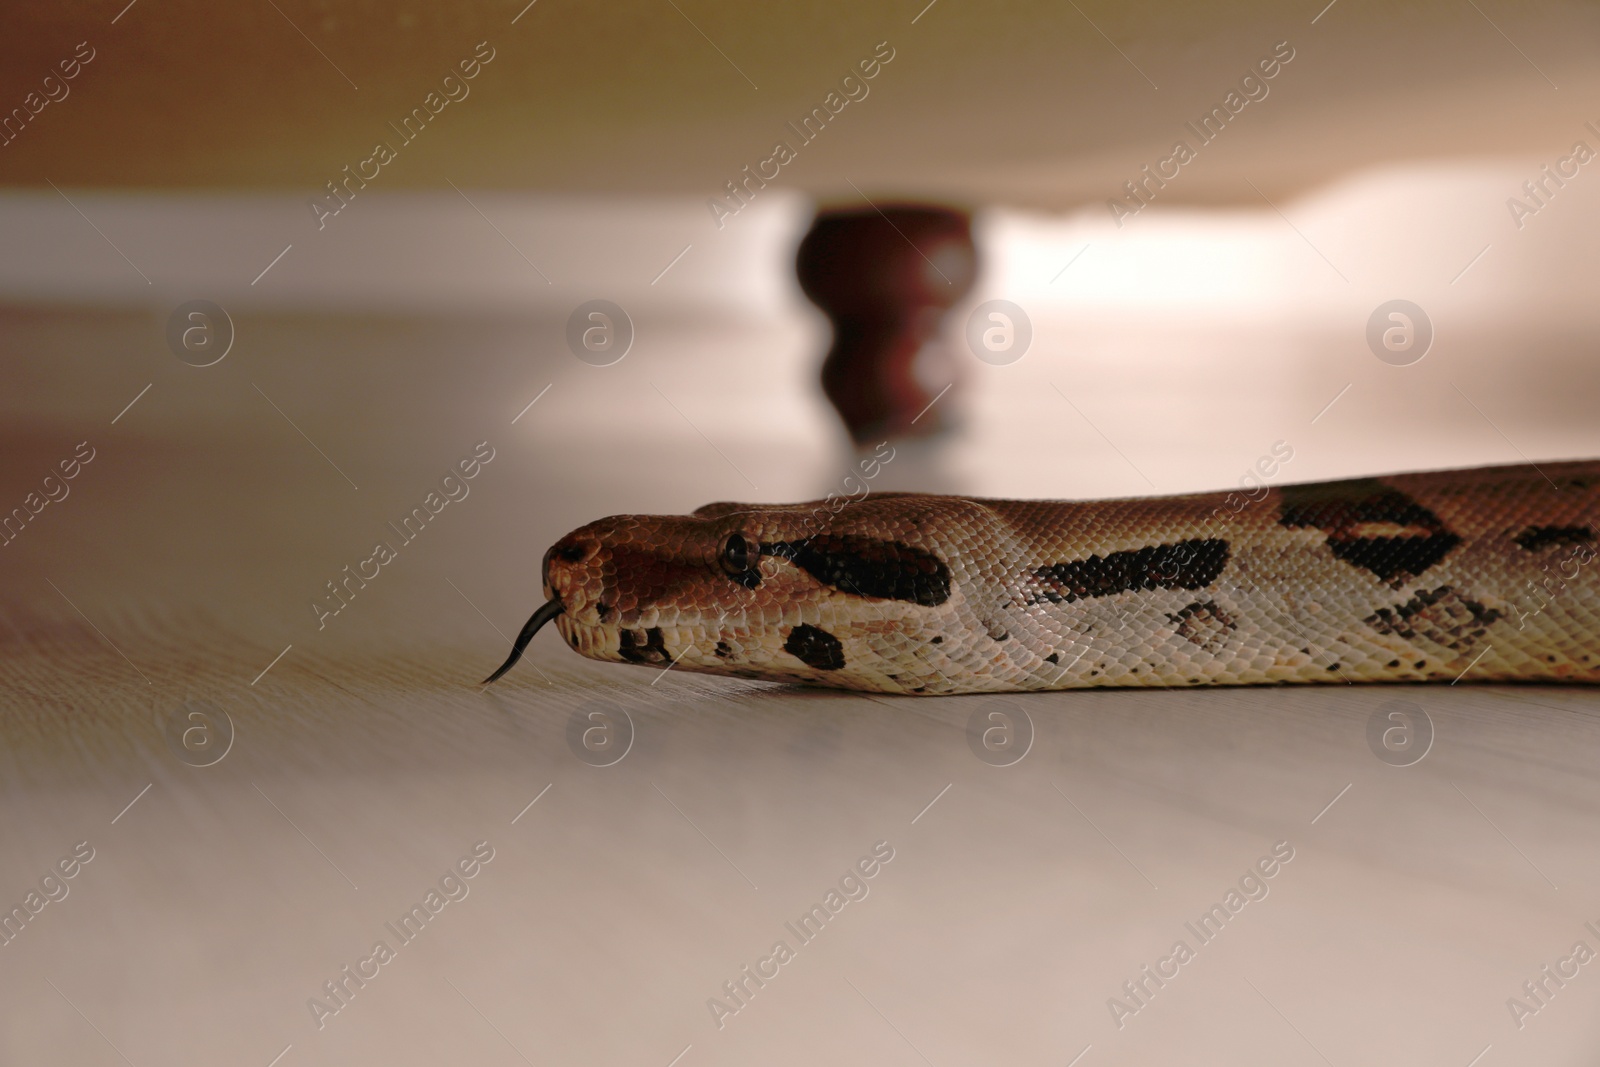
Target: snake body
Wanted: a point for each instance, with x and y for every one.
(1483, 574)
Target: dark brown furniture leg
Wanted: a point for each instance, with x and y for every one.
(885, 280)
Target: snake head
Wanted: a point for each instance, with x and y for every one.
(841, 594)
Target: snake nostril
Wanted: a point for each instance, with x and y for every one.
(577, 550)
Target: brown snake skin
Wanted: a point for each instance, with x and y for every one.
(1482, 574)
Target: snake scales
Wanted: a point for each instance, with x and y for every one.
(1416, 577)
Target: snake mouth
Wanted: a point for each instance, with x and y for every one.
(547, 611)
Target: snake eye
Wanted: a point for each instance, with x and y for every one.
(738, 559)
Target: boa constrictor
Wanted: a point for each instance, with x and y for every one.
(1418, 577)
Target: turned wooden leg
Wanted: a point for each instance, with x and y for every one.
(885, 280)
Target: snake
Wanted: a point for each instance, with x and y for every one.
(1478, 573)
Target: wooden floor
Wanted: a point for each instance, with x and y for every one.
(1007, 905)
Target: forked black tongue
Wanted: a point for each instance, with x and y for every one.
(545, 613)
